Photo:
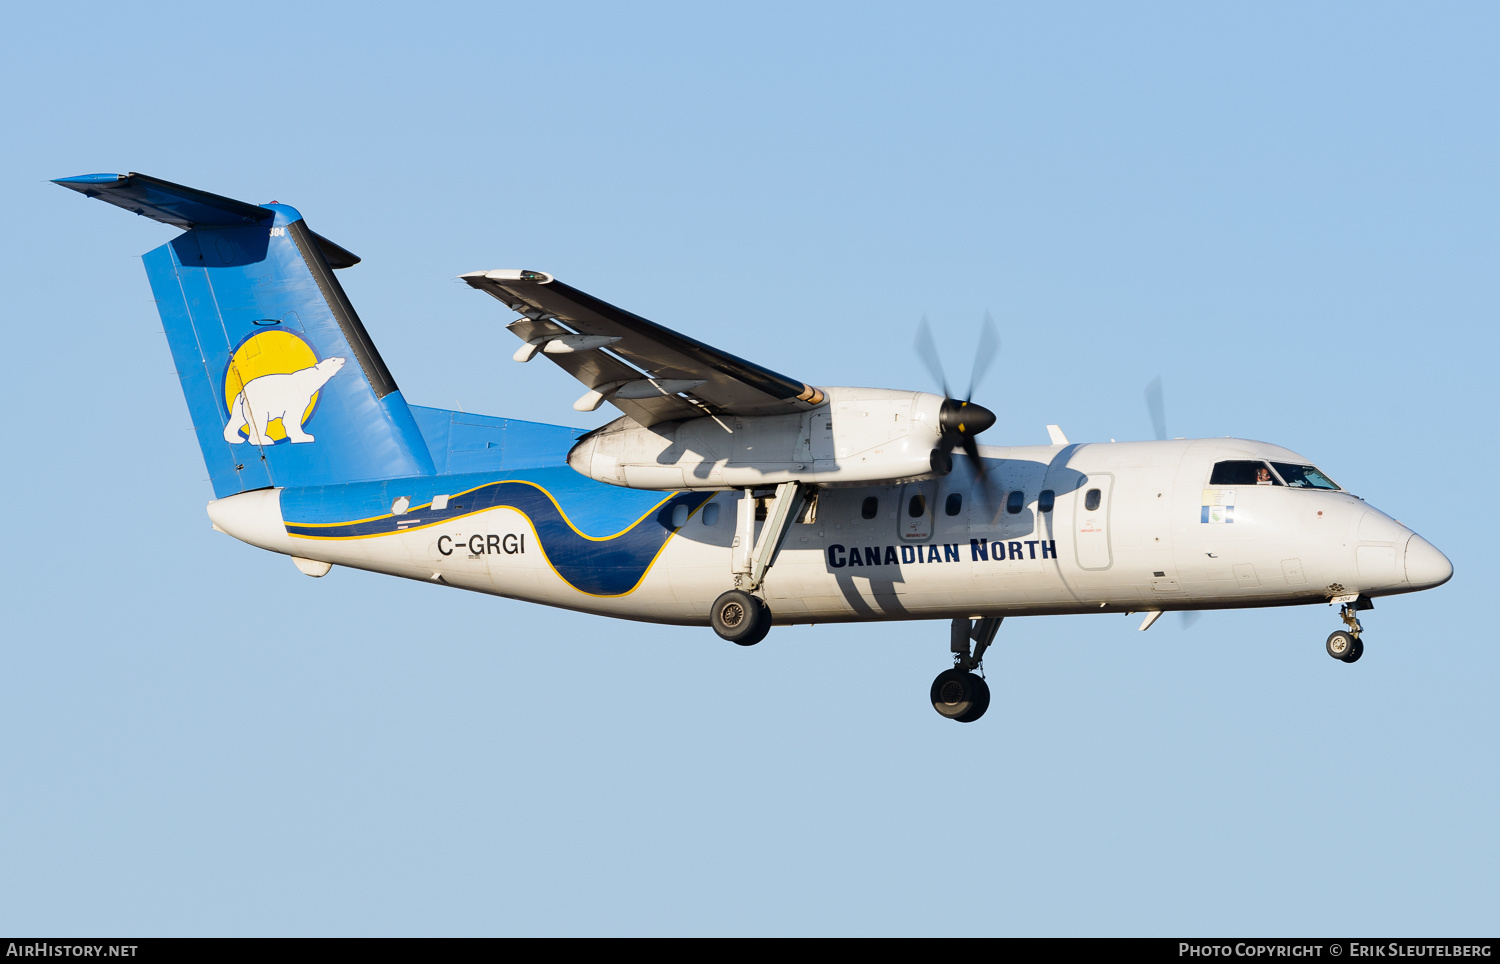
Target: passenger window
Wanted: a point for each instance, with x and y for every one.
(1303, 476)
(955, 504)
(1016, 502)
(711, 514)
(869, 507)
(916, 507)
(679, 515)
(1091, 500)
(1243, 473)
(1045, 500)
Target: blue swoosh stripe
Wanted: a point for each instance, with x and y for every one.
(611, 566)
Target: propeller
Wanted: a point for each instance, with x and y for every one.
(1157, 406)
(961, 420)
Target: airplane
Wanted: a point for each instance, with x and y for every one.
(726, 494)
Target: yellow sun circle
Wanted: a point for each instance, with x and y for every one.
(268, 353)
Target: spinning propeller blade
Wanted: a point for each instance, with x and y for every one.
(1158, 408)
(961, 420)
(927, 350)
(984, 355)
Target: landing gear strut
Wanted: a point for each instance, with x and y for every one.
(738, 615)
(1344, 644)
(960, 693)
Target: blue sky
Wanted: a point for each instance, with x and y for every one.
(1287, 211)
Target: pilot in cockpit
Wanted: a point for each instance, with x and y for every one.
(1263, 476)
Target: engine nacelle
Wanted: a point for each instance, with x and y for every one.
(858, 437)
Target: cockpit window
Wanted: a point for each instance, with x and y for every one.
(1243, 473)
(1303, 476)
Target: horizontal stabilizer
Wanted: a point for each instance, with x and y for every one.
(186, 207)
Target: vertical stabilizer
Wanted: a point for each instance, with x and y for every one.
(282, 381)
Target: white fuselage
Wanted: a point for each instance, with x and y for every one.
(1158, 540)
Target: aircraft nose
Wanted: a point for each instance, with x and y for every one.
(1425, 565)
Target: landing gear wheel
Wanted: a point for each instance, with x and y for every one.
(1344, 646)
(981, 701)
(741, 618)
(960, 696)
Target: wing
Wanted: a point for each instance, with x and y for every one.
(651, 373)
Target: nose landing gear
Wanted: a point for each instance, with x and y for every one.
(1344, 644)
(960, 693)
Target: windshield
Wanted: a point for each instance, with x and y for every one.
(1242, 472)
(1304, 476)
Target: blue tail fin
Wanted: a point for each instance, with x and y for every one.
(283, 383)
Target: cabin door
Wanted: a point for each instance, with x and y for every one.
(1091, 522)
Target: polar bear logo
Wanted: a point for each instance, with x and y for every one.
(284, 396)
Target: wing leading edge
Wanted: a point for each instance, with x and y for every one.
(640, 367)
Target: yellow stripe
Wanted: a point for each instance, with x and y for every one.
(644, 572)
(425, 525)
(538, 537)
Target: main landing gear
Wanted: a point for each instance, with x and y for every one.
(741, 618)
(1344, 644)
(739, 615)
(960, 693)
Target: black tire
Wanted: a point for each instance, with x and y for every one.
(981, 701)
(741, 618)
(1340, 644)
(959, 696)
(1356, 652)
